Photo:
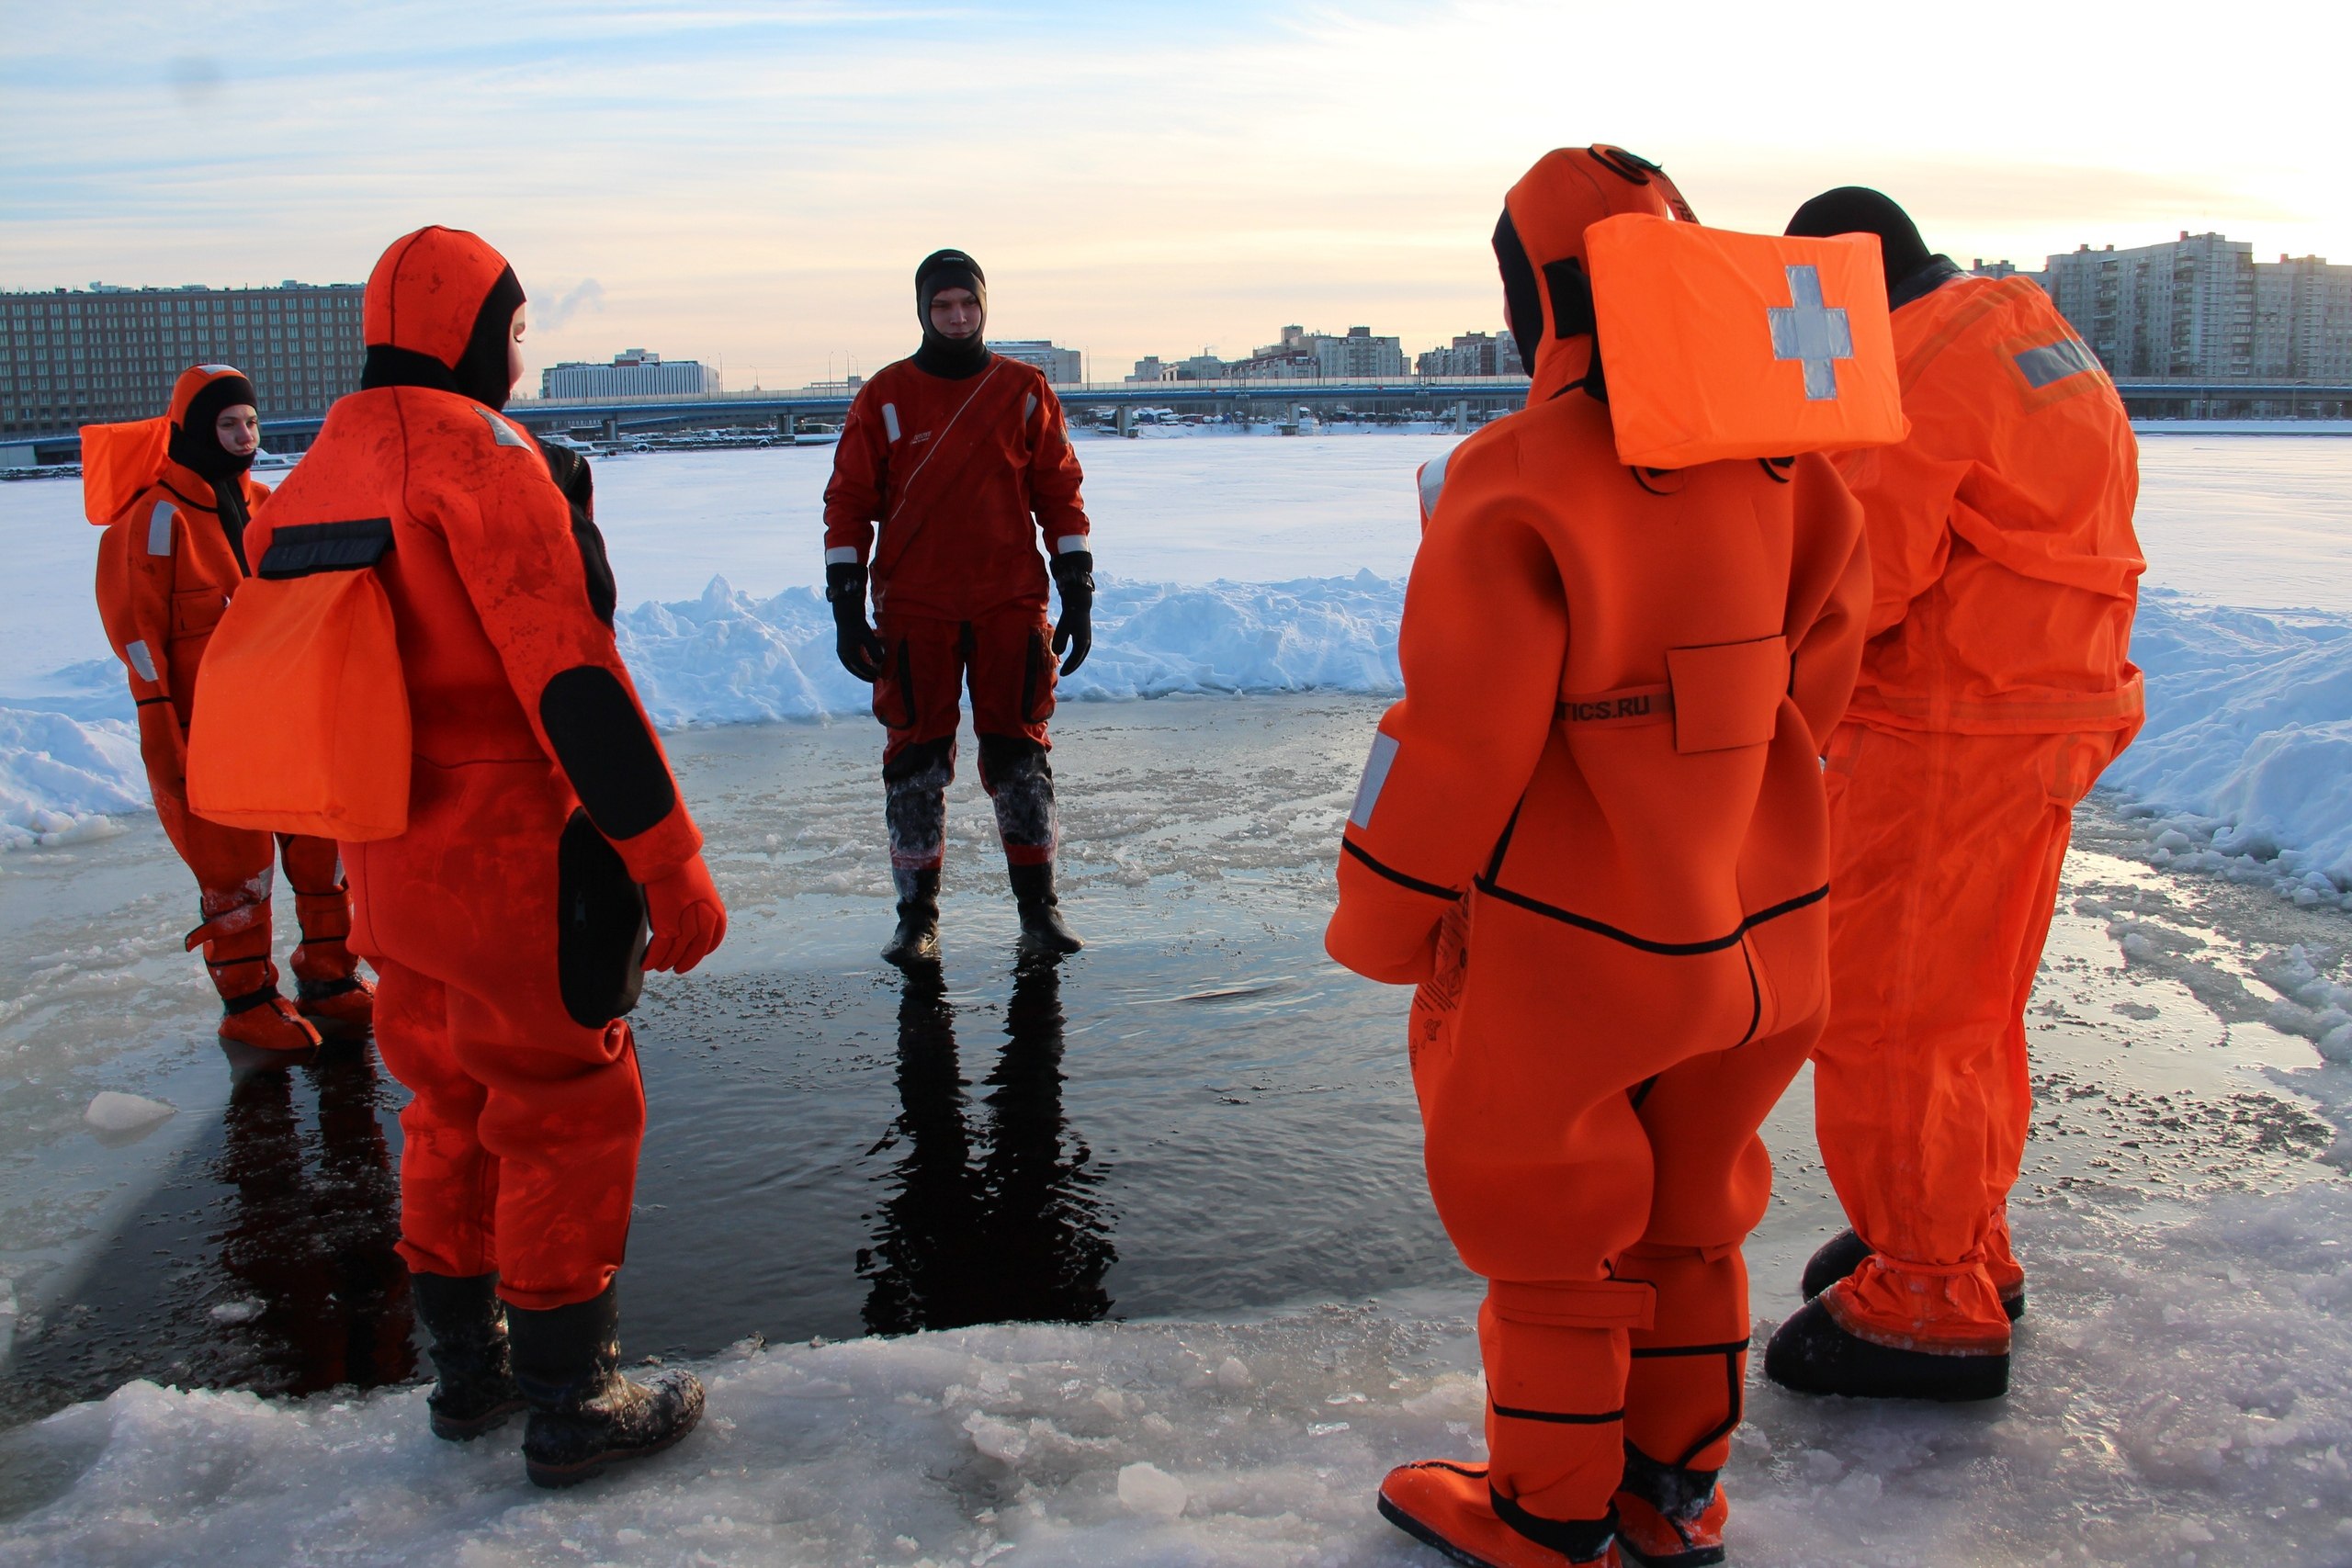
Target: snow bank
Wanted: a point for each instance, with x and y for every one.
(2183, 1395)
(2248, 744)
(61, 778)
(727, 657)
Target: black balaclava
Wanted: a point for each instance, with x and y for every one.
(1522, 299)
(195, 444)
(954, 358)
(480, 371)
(1911, 268)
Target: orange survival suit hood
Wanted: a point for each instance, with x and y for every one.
(1539, 246)
(199, 399)
(438, 310)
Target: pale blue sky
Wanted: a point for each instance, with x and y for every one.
(756, 181)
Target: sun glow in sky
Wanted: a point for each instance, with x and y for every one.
(754, 184)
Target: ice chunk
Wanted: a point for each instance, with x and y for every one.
(1232, 1374)
(1144, 1488)
(113, 1112)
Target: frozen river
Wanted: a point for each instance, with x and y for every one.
(1193, 1144)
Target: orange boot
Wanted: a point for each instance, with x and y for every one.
(1450, 1506)
(255, 1017)
(328, 988)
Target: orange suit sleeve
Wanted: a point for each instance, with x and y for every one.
(1907, 494)
(861, 477)
(135, 579)
(1830, 597)
(1055, 478)
(509, 532)
(1483, 640)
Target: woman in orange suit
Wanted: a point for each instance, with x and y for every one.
(1593, 835)
(1997, 687)
(172, 557)
(509, 922)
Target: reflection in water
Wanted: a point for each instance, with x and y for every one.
(264, 1261)
(1017, 1232)
(317, 1293)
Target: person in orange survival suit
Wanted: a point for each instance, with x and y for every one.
(961, 457)
(1995, 687)
(173, 555)
(508, 922)
(1593, 835)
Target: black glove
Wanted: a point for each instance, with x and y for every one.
(853, 640)
(1074, 572)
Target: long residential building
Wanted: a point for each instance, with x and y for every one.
(634, 373)
(1305, 355)
(2201, 308)
(71, 357)
(1063, 367)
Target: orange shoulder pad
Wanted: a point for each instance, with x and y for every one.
(119, 461)
(1718, 344)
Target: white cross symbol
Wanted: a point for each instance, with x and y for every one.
(1805, 329)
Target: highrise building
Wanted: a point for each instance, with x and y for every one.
(1473, 353)
(2303, 319)
(1302, 354)
(70, 357)
(634, 373)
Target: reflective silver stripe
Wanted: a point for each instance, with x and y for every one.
(1376, 778)
(1029, 408)
(141, 661)
(159, 529)
(1814, 334)
(2056, 361)
(842, 555)
(1069, 542)
(1432, 482)
(890, 420)
(217, 369)
(504, 433)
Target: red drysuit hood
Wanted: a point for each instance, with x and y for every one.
(437, 312)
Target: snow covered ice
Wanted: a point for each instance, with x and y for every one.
(2184, 1391)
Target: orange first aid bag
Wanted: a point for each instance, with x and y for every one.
(301, 720)
(1718, 344)
(118, 462)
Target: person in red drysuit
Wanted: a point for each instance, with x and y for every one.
(508, 924)
(1998, 684)
(960, 458)
(172, 557)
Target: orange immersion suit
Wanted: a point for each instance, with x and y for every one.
(1996, 686)
(508, 922)
(1593, 834)
(173, 553)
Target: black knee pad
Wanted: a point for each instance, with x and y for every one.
(1005, 758)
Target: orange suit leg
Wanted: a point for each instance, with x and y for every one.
(232, 867)
(1601, 1176)
(322, 906)
(523, 1137)
(1946, 855)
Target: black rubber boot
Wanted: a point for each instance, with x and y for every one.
(1843, 1253)
(917, 939)
(1667, 1516)
(584, 1414)
(475, 1388)
(1043, 930)
(1811, 1354)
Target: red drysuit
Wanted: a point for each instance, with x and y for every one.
(961, 477)
(508, 921)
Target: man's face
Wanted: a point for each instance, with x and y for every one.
(239, 428)
(955, 312)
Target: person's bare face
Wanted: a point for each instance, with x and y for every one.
(955, 312)
(514, 348)
(239, 428)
